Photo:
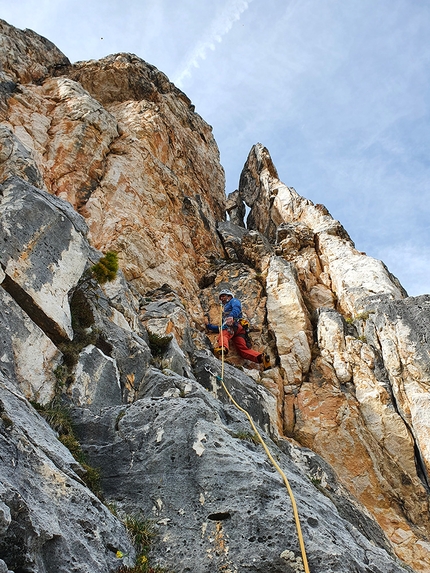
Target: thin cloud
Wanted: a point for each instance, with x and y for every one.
(222, 24)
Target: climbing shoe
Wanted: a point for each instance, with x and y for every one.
(265, 361)
(219, 350)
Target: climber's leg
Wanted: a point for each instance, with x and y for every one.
(223, 341)
(244, 351)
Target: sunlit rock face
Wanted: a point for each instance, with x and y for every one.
(110, 155)
(125, 147)
(27, 57)
(351, 275)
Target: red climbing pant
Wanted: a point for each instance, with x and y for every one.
(237, 337)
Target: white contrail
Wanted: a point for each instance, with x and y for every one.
(231, 12)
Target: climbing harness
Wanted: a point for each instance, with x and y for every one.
(245, 326)
(269, 455)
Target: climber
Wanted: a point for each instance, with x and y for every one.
(234, 328)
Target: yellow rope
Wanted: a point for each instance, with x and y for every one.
(269, 455)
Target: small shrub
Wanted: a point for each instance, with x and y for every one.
(57, 416)
(92, 479)
(363, 315)
(158, 344)
(141, 531)
(61, 374)
(74, 447)
(315, 480)
(106, 269)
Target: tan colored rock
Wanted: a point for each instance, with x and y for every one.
(377, 408)
(144, 172)
(329, 422)
(66, 132)
(80, 134)
(26, 56)
(289, 320)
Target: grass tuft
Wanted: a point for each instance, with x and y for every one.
(58, 417)
(142, 532)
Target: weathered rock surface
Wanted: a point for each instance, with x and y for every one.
(28, 356)
(211, 491)
(348, 400)
(49, 520)
(110, 155)
(125, 147)
(26, 56)
(43, 253)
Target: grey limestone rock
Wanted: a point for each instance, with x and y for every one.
(124, 347)
(43, 253)
(168, 325)
(28, 356)
(96, 380)
(231, 235)
(189, 461)
(50, 521)
(251, 396)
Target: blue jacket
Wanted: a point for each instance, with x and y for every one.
(232, 308)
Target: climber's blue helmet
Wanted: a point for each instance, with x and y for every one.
(225, 292)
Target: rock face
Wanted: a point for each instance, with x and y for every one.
(49, 520)
(110, 155)
(124, 146)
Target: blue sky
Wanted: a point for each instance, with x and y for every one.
(337, 90)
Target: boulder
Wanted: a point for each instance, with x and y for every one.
(96, 383)
(43, 254)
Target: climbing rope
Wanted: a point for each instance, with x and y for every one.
(269, 455)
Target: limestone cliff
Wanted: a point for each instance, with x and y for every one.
(110, 155)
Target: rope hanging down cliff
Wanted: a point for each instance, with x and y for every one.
(269, 455)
